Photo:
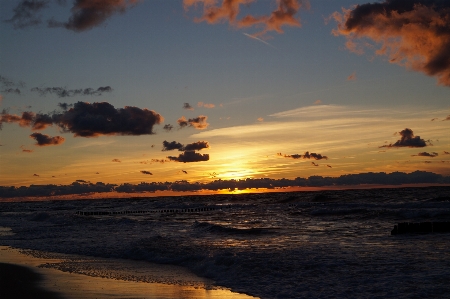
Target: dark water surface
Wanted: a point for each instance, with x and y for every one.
(327, 244)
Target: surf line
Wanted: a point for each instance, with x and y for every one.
(156, 211)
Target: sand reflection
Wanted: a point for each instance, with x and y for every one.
(74, 285)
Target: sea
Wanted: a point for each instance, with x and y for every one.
(321, 244)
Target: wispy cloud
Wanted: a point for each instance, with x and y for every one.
(258, 39)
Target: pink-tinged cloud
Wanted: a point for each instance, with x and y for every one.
(196, 122)
(407, 140)
(24, 121)
(25, 150)
(228, 11)
(414, 34)
(45, 140)
(206, 105)
(28, 119)
(352, 77)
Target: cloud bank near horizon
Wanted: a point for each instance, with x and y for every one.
(81, 187)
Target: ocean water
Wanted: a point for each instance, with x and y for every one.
(325, 244)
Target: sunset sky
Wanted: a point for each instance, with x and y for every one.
(123, 91)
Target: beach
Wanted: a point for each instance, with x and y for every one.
(22, 276)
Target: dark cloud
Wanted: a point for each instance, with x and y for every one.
(51, 190)
(41, 121)
(9, 86)
(35, 175)
(64, 106)
(187, 106)
(313, 163)
(168, 127)
(447, 118)
(5, 82)
(89, 120)
(184, 171)
(189, 156)
(11, 90)
(168, 146)
(446, 153)
(196, 122)
(408, 140)
(146, 172)
(62, 92)
(329, 166)
(306, 155)
(425, 154)
(413, 33)
(196, 146)
(45, 140)
(85, 14)
(116, 160)
(26, 13)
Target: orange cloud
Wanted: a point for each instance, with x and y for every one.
(25, 150)
(196, 122)
(352, 77)
(414, 34)
(283, 15)
(206, 105)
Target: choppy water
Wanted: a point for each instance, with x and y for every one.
(328, 244)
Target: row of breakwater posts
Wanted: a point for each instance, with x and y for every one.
(155, 211)
(421, 228)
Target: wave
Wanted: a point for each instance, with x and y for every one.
(220, 229)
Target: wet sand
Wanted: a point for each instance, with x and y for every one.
(21, 277)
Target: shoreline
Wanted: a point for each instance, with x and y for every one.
(26, 279)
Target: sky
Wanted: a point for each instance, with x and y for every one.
(129, 92)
